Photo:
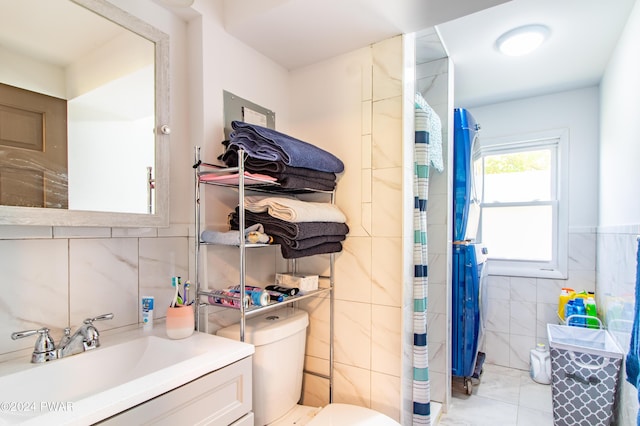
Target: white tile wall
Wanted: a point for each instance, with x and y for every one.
(519, 309)
(386, 351)
(384, 391)
(369, 270)
(35, 291)
(97, 287)
(386, 277)
(352, 336)
(58, 282)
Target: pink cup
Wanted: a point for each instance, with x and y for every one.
(180, 322)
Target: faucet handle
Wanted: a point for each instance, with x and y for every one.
(90, 333)
(44, 349)
(99, 318)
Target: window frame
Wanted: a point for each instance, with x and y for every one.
(556, 268)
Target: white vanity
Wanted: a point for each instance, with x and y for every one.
(133, 378)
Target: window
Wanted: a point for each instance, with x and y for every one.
(523, 220)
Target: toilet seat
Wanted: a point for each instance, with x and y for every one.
(350, 415)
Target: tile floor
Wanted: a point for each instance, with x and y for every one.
(504, 397)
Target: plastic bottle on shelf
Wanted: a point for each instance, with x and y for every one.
(569, 310)
(578, 309)
(592, 311)
(540, 362)
(566, 294)
(228, 298)
(258, 296)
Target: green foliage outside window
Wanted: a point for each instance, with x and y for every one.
(517, 162)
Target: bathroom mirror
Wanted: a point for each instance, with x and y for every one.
(83, 115)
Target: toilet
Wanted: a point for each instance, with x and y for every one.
(278, 363)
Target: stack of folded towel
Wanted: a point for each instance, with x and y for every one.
(295, 164)
(301, 228)
(252, 234)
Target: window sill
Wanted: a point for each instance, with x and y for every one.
(528, 271)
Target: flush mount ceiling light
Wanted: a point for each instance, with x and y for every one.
(522, 40)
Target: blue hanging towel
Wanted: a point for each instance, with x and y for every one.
(632, 361)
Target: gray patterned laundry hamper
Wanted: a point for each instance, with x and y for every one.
(585, 370)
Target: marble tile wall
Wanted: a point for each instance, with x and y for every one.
(57, 277)
(368, 316)
(518, 308)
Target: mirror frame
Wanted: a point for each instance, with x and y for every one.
(11, 215)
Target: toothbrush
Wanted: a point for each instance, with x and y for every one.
(175, 281)
(187, 284)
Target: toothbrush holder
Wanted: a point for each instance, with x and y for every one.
(180, 321)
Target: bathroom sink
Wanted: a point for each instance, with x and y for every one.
(124, 371)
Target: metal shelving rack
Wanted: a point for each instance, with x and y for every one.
(247, 183)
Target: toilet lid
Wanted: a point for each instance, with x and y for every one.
(350, 415)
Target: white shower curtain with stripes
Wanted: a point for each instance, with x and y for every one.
(427, 131)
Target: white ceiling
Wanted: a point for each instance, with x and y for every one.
(583, 35)
(296, 33)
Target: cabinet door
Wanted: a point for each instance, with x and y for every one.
(245, 421)
(219, 398)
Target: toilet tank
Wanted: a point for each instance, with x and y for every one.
(278, 362)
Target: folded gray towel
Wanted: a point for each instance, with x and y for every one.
(300, 182)
(294, 231)
(289, 253)
(268, 144)
(307, 242)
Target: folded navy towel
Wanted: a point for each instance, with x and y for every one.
(268, 167)
(268, 144)
(291, 230)
(287, 176)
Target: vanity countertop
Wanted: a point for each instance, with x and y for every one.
(128, 368)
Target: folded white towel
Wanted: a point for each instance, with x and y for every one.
(294, 210)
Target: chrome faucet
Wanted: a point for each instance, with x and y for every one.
(85, 338)
(45, 348)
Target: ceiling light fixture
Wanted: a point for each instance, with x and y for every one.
(522, 40)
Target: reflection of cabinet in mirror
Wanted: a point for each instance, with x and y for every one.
(111, 69)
